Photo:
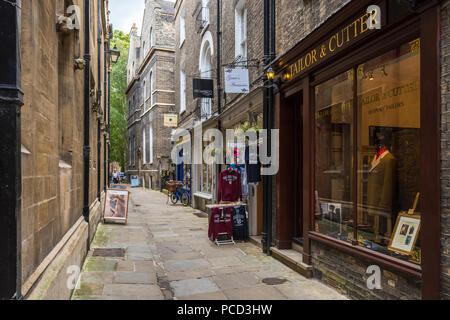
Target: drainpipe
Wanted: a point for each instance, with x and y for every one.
(11, 100)
(267, 206)
(270, 123)
(111, 34)
(87, 110)
(105, 83)
(219, 79)
(99, 96)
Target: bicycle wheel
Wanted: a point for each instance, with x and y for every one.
(185, 199)
(174, 198)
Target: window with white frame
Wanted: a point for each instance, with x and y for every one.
(182, 91)
(182, 27)
(150, 140)
(151, 90)
(206, 66)
(241, 29)
(145, 96)
(205, 13)
(134, 151)
(152, 38)
(144, 147)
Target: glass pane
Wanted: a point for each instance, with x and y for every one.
(333, 157)
(388, 146)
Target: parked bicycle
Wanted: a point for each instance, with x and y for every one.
(177, 192)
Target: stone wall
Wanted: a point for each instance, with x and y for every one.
(52, 129)
(156, 63)
(445, 145)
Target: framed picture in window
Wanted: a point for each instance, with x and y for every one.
(116, 206)
(405, 234)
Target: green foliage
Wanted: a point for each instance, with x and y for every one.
(119, 113)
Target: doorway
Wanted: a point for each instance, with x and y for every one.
(290, 175)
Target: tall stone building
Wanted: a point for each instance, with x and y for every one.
(151, 94)
(56, 140)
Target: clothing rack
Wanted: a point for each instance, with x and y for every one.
(224, 242)
(221, 206)
(227, 205)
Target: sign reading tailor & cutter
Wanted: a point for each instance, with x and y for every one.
(236, 80)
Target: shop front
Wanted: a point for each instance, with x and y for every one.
(246, 114)
(358, 108)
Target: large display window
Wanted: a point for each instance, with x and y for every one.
(385, 123)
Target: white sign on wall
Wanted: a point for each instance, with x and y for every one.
(236, 80)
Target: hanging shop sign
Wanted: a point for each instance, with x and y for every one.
(343, 38)
(116, 206)
(236, 80)
(203, 88)
(171, 120)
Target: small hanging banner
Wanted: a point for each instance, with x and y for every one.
(236, 80)
(203, 88)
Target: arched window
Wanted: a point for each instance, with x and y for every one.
(206, 66)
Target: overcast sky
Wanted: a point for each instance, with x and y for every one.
(126, 12)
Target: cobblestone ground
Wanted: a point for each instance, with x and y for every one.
(167, 255)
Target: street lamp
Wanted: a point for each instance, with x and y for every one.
(115, 54)
(270, 74)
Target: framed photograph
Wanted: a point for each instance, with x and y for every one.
(405, 234)
(116, 206)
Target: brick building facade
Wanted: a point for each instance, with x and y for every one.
(196, 54)
(54, 233)
(311, 35)
(151, 94)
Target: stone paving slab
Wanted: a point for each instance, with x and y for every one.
(262, 292)
(193, 286)
(169, 256)
(135, 278)
(132, 290)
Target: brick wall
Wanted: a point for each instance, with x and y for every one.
(347, 274)
(445, 137)
(297, 18)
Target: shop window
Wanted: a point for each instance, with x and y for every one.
(207, 175)
(334, 149)
(387, 153)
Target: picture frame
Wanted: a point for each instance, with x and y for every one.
(115, 208)
(406, 233)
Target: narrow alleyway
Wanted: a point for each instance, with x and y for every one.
(167, 255)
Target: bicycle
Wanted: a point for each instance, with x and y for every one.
(177, 192)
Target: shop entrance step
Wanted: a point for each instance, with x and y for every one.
(294, 260)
